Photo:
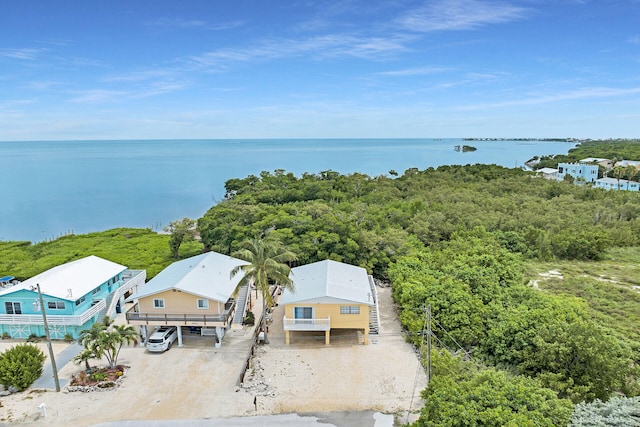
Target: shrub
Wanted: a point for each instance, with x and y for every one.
(249, 319)
(21, 365)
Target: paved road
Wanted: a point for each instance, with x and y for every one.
(64, 357)
(335, 419)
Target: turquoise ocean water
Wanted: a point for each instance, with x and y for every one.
(51, 188)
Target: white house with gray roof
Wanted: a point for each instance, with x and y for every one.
(330, 295)
(196, 292)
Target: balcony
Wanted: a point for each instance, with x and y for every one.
(53, 319)
(176, 319)
(298, 324)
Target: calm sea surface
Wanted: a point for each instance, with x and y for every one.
(52, 188)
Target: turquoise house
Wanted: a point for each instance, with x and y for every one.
(581, 172)
(76, 295)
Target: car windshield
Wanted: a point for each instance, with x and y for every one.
(155, 340)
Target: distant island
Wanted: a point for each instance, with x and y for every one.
(464, 148)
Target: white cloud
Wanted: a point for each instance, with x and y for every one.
(584, 93)
(92, 96)
(330, 45)
(419, 71)
(443, 15)
(24, 54)
(175, 23)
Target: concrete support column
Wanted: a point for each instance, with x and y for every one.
(286, 337)
(327, 336)
(143, 335)
(366, 336)
(220, 334)
(179, 336)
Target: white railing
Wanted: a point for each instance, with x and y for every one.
(306, 324)
(131, 278)
(374, 291)
(53, 319)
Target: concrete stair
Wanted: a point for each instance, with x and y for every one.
(103, 313)
(374, 317)
(241, 305)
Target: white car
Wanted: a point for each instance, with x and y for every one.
(162, 338)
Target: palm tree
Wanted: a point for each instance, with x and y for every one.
(266, 257)
(618, 173)
(111, 342)
(630, 171)
(99, 342)
(83, 357)
(89, 339)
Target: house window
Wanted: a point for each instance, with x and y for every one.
(80, 301)
(13, 307)
(349, 309)
(158, 303)
(303, 312)
(55, 305)
(203, 303)
(96, 290)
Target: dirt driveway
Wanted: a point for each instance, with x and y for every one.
(199, 381)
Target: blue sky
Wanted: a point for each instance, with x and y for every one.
(318, 69)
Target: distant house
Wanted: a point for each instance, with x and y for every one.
(548, 173)
(615, 184)
(196, 292)
(581, 172)
(625, 163)
(76, 295)
(329, 295)
(605, 163)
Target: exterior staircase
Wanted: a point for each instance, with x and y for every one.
(241, 306)
(103, 313)
(374, 316)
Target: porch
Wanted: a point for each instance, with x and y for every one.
(306, 324)
(134, 317)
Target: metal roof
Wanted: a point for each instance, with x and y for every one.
(206, 275)
(329, 282)
(72, 280)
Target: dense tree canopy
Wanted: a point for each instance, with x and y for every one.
(371, 221)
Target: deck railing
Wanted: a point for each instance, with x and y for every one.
(182, 319)
(53, 319)
(316, 324)
(130, 279)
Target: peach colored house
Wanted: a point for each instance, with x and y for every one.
(329, 295)
(194, 292)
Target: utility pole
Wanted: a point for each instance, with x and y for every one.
(46, 331)
(428, 345)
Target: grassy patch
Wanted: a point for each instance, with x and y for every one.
(132, 247)
(606, 286)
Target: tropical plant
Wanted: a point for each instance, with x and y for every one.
(618, 173)
(21, 365)
(630, 172)
(99, 341)
(266, 259)
(84, 357)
